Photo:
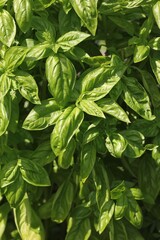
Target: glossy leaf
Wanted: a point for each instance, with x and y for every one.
(23, 14)
(61, 208)
(88, 158)
(136, 98)
(154, 43)
(116, 144)
(61, 76)
(105, 216)
(4, 210)
(14, 57)
(156, 10)
(112, 108)
(45, 30)
(27, 86)
(5, 83)
(87, 11)
(65, 128)
(91, 108)
(7, 28)
(27, 221)
(66, 158)
(155, 65)
(5, 113)
(14, 192)
(33, 173)
(135, 143)
(8, 174)
(39, 119)
(71, 39)
(140, 53)
(120, 207)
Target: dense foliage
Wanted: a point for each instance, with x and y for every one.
(79, 119)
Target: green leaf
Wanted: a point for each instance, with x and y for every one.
(123, 23)
(27, 86)
(4, 210)
(14, 57)
(151, 87)
(27, 221)
(135, 142)
(105, 216)
(87, 11)
(91, 108)
(71, 39)
(112, 108)
(141, 52)
(66, 159)
(5, 83)
(62, 202)
(132, 232)
(23, 14)
(133, 213)
(120, 231)
(155, 65)
(65, 128)
(68, 22)
(116, 144)
(33, 173)
(120, 207)
(61, 76)
(45, 30)
(80, 229)
(136, 98)
(5, 113)
(88, 158)
(147, 128)
(2, 2)
(148, 179)
(7, 28)
(43, 116)
(90, 135)
(156, 10)
(101, 182)
(8, 174)
(14, 192)
(154, 43)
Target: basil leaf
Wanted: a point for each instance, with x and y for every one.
(156, 9)
(105, 216)
(65, 159)
(120, 207)
(14, 57)
(141, 52)
(7, 28)
(14, 192)
(4, 210)
(109, 106)
(27, 221)
(155, 65)
(116, 144)
(61, 208)
(27, 86)
(8, 174)
(61, 76)
(68, 22)
(5, 113)
(23, 14)
(136, 98)
(45, 31)
(33, 173)
(154, 43)
(87, 11)
(2, 2)
(91, 108)
(5, 83)
(88, 158)
(135, 147)
(71, 39)
(65, 128)
(39, 119)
